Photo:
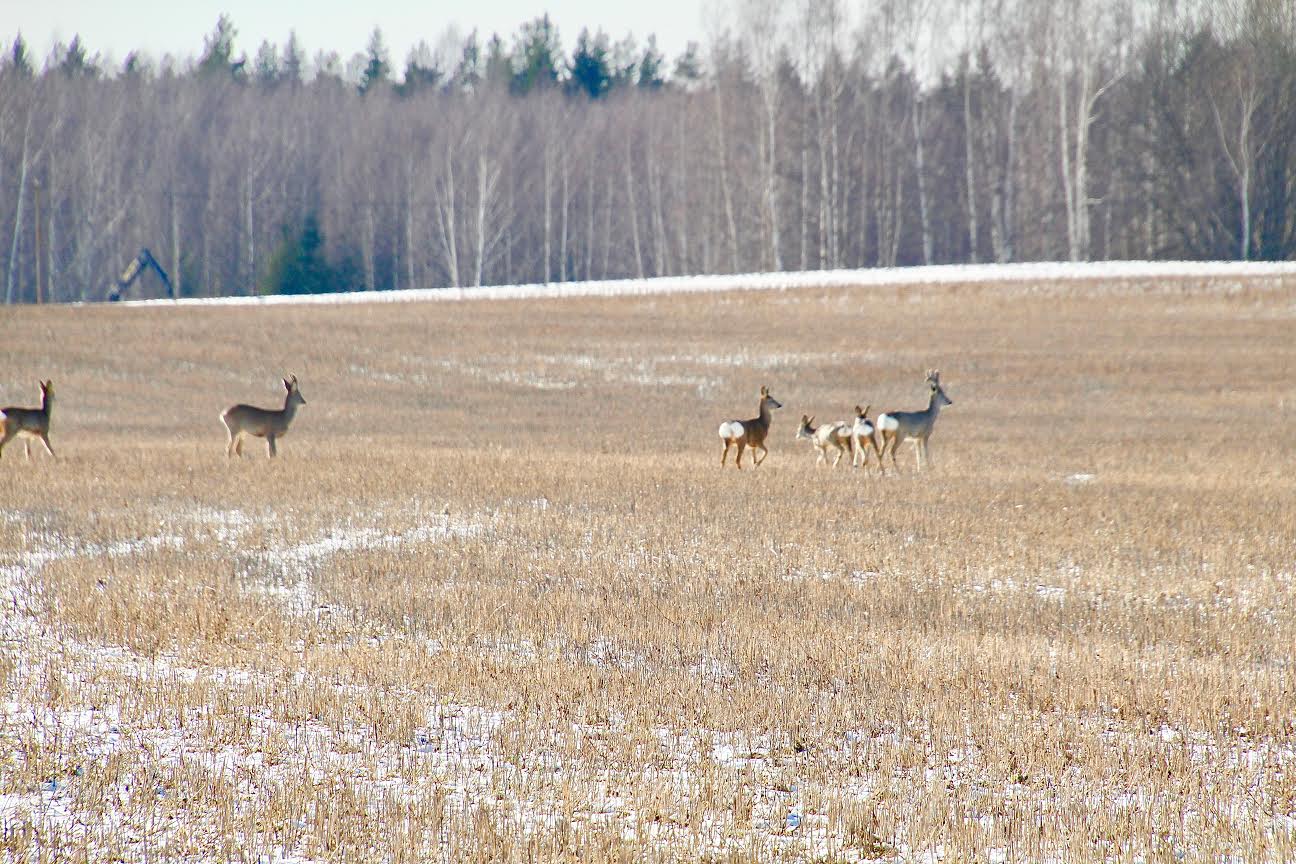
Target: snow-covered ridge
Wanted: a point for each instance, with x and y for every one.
(945, 274)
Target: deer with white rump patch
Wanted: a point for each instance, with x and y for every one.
(749, 433)
(264, 423)
(836, 434)
(896, 426)
(863, 435)
(29, 422)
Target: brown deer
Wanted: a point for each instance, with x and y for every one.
(264, 423)
(864, 433)
(749, 433)
(29, 422)
(896, 426)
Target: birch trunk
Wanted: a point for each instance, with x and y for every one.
(23, 164)
(969, 161)
(919, 164)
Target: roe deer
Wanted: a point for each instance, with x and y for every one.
(749, 433)
(896, 426)
(29, 422)
(264, 423)
(863, 433)
(836, 434)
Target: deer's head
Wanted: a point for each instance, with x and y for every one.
(933, 381)
(294, 391)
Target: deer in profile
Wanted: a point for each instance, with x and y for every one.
(264, 423)
(749, 433)
(863, 434)
(29, 422)
(896, 426)
(835, 434)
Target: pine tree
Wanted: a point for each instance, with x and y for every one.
(499, 66)
(75, 62)
(218, 50)
(291, 68)
(650, 66)
(266, 66)
(379, 66)
(537, 55)
(20, 58)
(469, 72)
(298, 265)
(590, 72)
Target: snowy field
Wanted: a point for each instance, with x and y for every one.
(497, 601)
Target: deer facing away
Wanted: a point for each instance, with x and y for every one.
(836, 434)
(264, 423)
(749, 433)
(863, 435)
(896, 426)
(28, 422)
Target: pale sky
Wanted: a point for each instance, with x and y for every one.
(114, 28)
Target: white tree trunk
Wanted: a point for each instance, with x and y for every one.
(23, 164)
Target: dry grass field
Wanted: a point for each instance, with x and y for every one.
(497, 601)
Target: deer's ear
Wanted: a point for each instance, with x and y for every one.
(287, 384)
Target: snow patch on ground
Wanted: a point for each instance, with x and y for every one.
(879, 277)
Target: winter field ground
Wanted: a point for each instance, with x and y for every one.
(497, 600)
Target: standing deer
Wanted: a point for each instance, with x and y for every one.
(29, 422)
(896, 426)
(863, 432)
(836, 434)
(264, 423)
(749, 433)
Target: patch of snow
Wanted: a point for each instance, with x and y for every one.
(879, 277)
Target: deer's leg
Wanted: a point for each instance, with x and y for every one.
(45, 440)
(270, 446)
(725, 454)
(764, 453)
(5, 436)
(894, 441)
(738, 458)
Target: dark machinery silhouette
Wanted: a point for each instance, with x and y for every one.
(143, 261)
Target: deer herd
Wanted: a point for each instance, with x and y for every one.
(839, 437)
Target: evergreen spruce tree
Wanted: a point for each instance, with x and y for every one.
(537, 56)
(590, 72)
(650, 66)
(20, 58)
(218, 50)
(379, 66)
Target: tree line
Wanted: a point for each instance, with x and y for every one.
(804, 136)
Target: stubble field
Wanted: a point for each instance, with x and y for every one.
(497, 600)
